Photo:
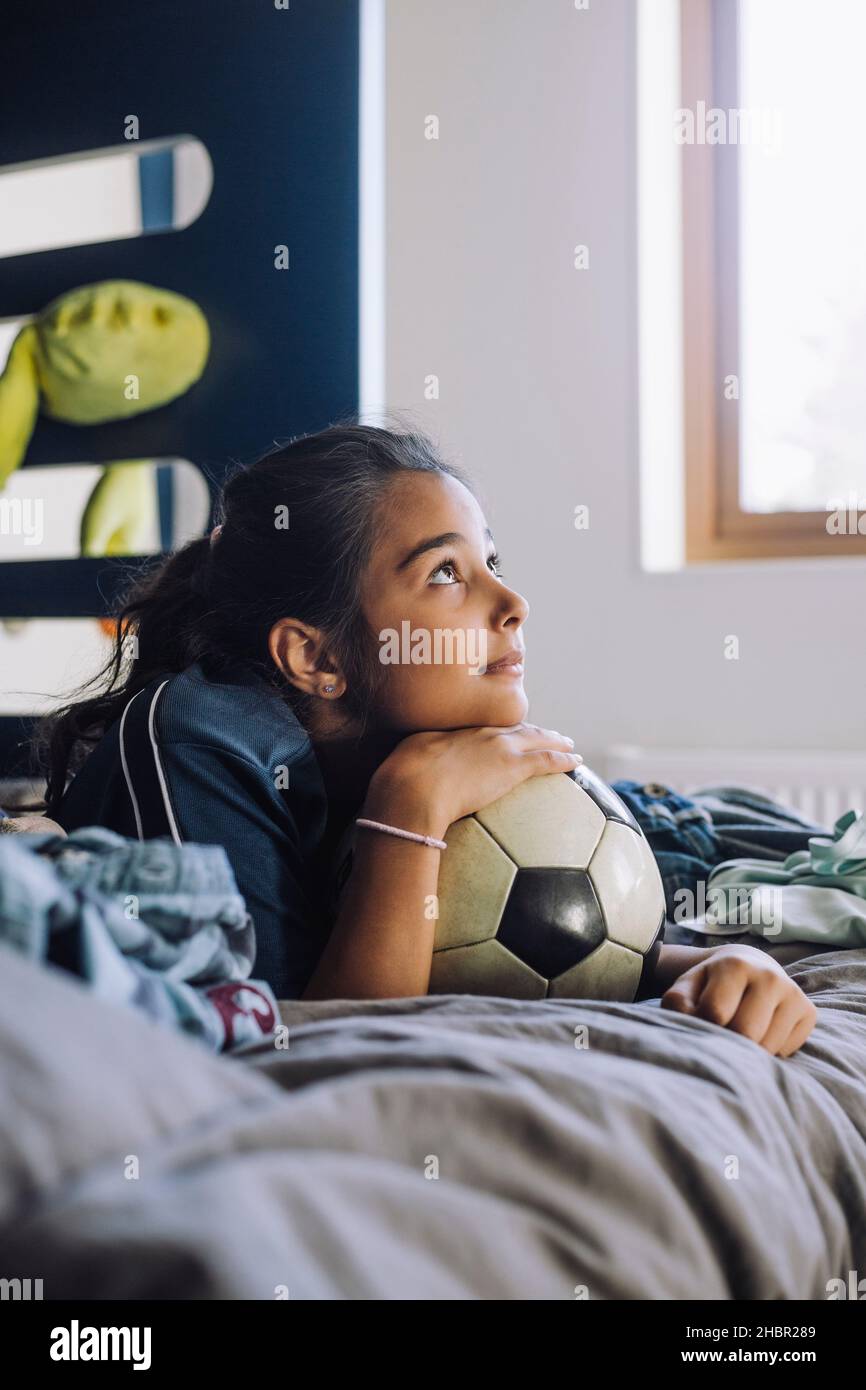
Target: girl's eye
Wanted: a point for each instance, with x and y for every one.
(446, 571)
(445, 565)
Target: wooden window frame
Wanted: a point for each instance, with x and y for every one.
(716, 526)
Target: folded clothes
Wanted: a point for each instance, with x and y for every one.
(816, 894)
(152, 924)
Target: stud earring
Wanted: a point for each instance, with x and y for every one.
(329, 689)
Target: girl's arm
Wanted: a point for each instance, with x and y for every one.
(381, 944)
(671, 963)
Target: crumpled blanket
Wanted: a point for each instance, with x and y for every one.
(817, 894)
(439, 1148)
(155, 925)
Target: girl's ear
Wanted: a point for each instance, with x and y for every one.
(300, 653)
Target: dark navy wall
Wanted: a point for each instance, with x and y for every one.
(273, 95)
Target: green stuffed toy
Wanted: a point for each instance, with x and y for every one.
(101, 352)
(121, 515)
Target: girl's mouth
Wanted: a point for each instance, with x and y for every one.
(509, 665)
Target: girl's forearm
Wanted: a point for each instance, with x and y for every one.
(381, 944)
(672, 962)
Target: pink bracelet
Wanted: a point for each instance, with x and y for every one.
(404, 834)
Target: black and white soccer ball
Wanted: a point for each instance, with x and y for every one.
(550, 892)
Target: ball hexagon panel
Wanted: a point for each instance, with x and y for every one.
(487, 968)
(552, 919)
(629, 886)
(475, 878)
(548, 822)
(611, 972)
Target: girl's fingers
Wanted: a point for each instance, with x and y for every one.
(756, 1011)
(800, 1032)
(720, 998)
(683, 994)
(536, 737)
(787, 1016)
(541, 760)
(780, 1019)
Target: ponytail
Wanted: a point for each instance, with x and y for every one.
(157, 628)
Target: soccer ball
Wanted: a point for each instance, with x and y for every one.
(550, 892)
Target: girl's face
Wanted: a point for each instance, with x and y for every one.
(434, 587)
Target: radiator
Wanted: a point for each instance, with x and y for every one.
(821, 786)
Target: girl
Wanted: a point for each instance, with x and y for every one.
(254, 711)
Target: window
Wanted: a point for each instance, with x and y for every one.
(773, 234)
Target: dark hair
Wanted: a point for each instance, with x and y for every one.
(216, 604)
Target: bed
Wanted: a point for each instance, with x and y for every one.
(451, 1147)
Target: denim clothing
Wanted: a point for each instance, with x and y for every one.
(691, 835)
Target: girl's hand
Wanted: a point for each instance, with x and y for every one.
(442, 776)
(381, 945)
(742, 988)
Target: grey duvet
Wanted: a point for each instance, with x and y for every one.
(436, 1148)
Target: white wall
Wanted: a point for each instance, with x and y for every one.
(538, 371)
